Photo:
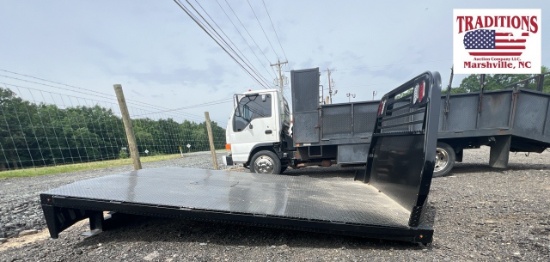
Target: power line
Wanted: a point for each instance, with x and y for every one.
(80, 92)
(401, 63)
(38, 83)
(273, 26)
(241, 56)
(199, 23)
(211, 103)
(109, 100)
(262, 28)
(168, 114)
(243, 38)
(226, 43)
(70, 87)
(247, 32)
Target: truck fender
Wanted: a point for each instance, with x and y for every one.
(259, 147)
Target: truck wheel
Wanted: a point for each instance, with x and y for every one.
(265, 162)
(444, 159)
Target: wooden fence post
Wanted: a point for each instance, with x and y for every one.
(211, 140)
(128, 126)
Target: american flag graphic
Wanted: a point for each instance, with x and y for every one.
(483, 42)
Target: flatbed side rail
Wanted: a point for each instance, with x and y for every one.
(402, 153)
(63, 217)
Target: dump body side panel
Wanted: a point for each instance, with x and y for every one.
(532, 115)
(348, 120)
(340, 132)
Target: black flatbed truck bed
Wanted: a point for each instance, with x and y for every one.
(297, 202)
(386, 201)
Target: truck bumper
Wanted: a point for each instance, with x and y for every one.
(227, 160)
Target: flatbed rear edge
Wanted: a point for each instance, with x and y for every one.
(65, 211)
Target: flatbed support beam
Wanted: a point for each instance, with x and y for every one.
(500, 152)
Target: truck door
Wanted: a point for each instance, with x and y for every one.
(254, 122)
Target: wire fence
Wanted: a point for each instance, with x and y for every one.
(43, 126)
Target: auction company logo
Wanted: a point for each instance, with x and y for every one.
(497, 41)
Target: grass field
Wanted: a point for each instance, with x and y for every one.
(28, 172)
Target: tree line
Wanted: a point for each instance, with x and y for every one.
(500, 81)
(33, 135)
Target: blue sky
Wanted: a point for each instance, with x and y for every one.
(162, 58)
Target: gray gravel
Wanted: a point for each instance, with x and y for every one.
(483, 214)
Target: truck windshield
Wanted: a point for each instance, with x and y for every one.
(249, 108)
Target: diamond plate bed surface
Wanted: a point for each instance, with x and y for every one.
(301, 197)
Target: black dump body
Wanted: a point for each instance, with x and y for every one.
(514, 119)
(520, 113)
(340, 132)
(386, 202)
(330, 124)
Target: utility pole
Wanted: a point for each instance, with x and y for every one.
(330, 84)
(279, 66)
(350, 96)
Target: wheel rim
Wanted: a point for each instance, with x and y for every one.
(441, 159)
(264, 164)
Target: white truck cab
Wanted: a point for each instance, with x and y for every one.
(257, 131)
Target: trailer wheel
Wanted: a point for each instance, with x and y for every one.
(265, 162)
(444, 159)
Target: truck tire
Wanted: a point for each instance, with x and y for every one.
(265, 162)
(444, 159)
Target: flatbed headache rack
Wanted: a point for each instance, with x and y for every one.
(386, 201)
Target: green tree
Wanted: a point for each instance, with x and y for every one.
(33, 135)
(219, 135)
(469, 84)
(88, 143)
(18, 141)
(472, 82)
(144, 140)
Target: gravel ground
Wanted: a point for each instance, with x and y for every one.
(483, 214)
